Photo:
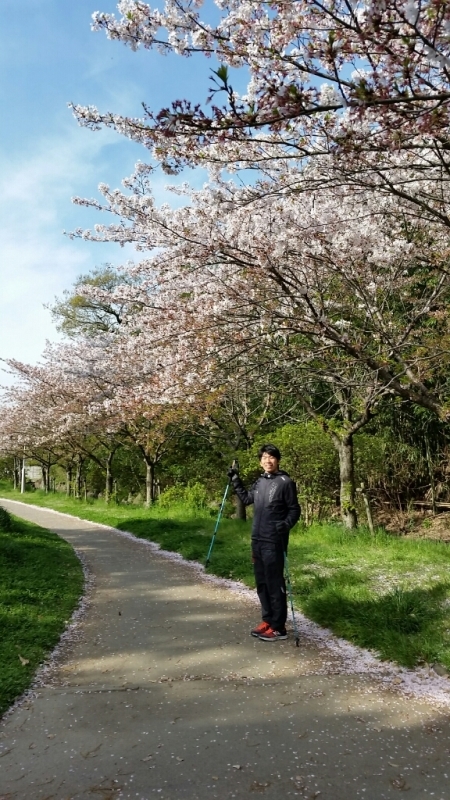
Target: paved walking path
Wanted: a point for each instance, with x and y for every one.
(165, 695)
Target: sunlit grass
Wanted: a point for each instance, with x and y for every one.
(41, 581)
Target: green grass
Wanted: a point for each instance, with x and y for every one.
(41, 581)
(385, 593)
(389, 594)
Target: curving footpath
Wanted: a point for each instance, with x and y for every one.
(163, 694)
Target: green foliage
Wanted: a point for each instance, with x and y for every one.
(310, 458)
(192, 496)
(190, 458)
(173, 496)
(40, 583)
(391, 456)
(371, 453)
(77, 314)
(5, 520)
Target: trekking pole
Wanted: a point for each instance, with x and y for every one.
(222, 505)
(289, 588)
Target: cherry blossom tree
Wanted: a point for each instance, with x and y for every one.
(294, 288)
(319, 75)
(86, 400)
(343, 268)
(49, 410)
(352, 93)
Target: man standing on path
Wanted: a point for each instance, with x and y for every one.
(274, 496)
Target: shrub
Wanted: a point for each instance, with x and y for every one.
(172, 496)
(192, 496)
(195, 495)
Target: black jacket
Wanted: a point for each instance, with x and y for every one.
(276, 505)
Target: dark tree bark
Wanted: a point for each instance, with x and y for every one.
(109, 477)
(347, 482)
(68, 480)
(149, 482)
(16, 473)
(78, 476)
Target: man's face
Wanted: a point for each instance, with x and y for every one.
(269, 463)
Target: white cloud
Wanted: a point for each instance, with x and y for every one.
(36, 261)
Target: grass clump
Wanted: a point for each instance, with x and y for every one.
(386, 593)
(41, 581)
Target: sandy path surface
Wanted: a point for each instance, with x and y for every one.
(163, 694)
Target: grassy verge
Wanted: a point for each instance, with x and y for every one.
(41, 581)
(388, 594)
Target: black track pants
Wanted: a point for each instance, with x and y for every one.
(268, 564)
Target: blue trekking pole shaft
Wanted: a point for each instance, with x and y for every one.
(217, 524)
(289, 588)
(216, 527)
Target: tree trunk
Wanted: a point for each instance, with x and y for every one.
(78, 477)
(68, 480)
(241, 512)
(45, 478)
(149, 478)
(431, 474)
(109, 477)
(46, 475)
(22, 478)
(347, 487)
(16, 473)
(366, 501)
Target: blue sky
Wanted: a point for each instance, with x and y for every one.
(49, 57)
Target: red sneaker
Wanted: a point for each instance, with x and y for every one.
(272, 635)
(263, 627)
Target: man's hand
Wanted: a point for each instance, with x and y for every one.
(233, 474)
(282, 528)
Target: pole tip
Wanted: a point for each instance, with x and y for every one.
(297, 642)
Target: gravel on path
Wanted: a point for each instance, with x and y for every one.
(158, 691)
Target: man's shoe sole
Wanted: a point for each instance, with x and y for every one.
(281, 638)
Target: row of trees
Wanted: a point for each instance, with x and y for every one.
(315, 289)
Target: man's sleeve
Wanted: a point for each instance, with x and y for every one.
(293, 506)
(247, 497)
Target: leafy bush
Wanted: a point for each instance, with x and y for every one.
(192, 496)
(173, 496)
(195, 496)
(5, 520)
